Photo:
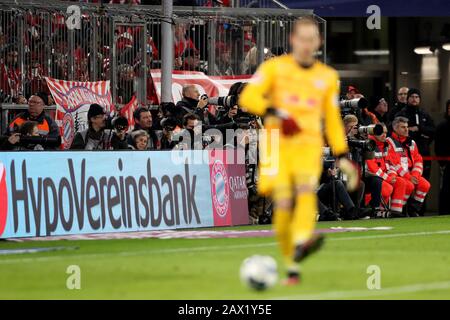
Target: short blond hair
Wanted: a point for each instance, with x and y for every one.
(350, 118)
(306, 20)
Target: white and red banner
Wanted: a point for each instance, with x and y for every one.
(73, 99)
(128, 110)
(213, 86)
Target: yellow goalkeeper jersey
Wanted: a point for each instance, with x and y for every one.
(309, 95)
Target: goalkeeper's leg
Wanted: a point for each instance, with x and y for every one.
(282, 225)
(303, 225)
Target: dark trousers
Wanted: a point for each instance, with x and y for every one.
(326, 194)
(444, 194)
(373, 186)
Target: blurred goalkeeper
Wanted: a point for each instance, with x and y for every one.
(297, 95)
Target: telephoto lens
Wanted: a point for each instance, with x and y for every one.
(372, 129)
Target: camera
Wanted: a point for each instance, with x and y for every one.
(363, 145)
(373, 129)
(227, 101)
(244, 120)
(119, 123)
(44, 141)
(353, 106)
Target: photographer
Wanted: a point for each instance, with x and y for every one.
(358, 149)
(96, 137)
(169, 126)
(46, 126)
(193, 103)
(332, 191)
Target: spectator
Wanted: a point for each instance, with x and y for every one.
(144, 121)
(407, 162)
(442, 149)
(10, 75)
(181, 41)
(20, 99)
(140, 140)
(379, 108)
(421, 126)
(399, 105)
(46, 125)
(96, 137)
(191, 60)
(27, 129)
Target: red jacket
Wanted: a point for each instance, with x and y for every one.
(404, 156)
(379, 164)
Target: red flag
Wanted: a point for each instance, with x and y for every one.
(128, 110)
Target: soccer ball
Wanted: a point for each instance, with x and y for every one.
(259, 272)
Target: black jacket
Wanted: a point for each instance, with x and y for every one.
(382, 118)
(442, 145)
(106, 140)
(398, 106)
(425, 135)
(188, 105)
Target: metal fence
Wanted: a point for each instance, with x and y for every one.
(122, 43)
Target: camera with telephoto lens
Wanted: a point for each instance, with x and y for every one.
(244, 120)
(226, 102)
(373, 129)
(44, 141)
(353, 106)
(363, 145)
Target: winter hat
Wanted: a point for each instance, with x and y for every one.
(95, 110)
(43, 96)
(413, 91)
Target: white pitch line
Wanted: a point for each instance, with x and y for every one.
(369, 293)
(208, 248)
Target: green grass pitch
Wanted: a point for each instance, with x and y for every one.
(414, 260)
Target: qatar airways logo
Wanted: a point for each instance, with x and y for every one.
(3, 199)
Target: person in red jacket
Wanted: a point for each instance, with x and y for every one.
(393, 186)
(407, 162)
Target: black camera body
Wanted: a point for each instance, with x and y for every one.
(363, 145)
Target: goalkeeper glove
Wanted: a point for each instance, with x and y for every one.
(289, 126)
(351, 170)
